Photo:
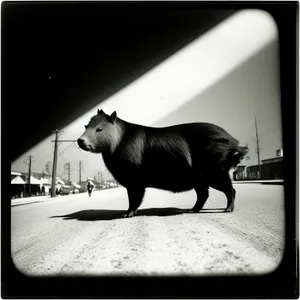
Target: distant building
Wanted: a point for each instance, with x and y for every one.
(15, 173)
(252, 172)
(239, 172)
(43, 175)
(40, 184)
(20, 185)
(271, 168)
(17, 186)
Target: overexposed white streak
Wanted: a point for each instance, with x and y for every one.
(188, 72)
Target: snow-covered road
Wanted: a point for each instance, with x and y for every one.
(80, 235)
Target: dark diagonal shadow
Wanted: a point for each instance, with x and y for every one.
(106, 214)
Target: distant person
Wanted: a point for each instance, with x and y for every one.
(43, 191)
(90, 187)
(38, 191)
(21, 192)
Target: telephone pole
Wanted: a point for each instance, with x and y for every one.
(29, 176)
(68, 167)
(69, 171)
(53, 189)
(100, 176)
(80, 172)
(257, 149)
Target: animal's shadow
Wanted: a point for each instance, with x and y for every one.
(106, 214)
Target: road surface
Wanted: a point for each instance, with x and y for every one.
(79, 235)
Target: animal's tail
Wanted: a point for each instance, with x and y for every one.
(239, 154)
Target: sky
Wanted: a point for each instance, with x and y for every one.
(226, 77)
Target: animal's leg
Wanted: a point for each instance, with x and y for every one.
(230, 200)
(135, 197)
(202, 196)
(222, 182)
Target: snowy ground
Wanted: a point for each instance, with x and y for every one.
(80, 235)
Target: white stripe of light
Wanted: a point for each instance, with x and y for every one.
(188, 72)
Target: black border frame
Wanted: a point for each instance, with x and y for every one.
(282, 283)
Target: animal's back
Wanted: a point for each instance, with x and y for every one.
(169, 157)
(202, 134)
(207, 143)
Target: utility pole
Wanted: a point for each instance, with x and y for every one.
(257, 149)
(80, 172)
(53, 189)
(69, 172)
(67, 166)
(100, 176)
(29, 176)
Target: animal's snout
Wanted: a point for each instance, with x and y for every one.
(83, 144)
(80, 142)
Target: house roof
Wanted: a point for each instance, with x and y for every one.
(15, 173)
(272, 159)
(76, 185)
(45, 181)
(17, 180)
(59, 180)
(33, 180)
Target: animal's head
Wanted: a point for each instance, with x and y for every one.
(101, 134)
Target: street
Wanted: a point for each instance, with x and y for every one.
(78, 235)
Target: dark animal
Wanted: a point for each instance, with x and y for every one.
(176, 158)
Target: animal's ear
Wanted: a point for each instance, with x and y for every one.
(113, 117)
(100, 112)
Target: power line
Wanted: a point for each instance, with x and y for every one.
(62, 151)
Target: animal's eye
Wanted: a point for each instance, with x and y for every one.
(98, 129)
